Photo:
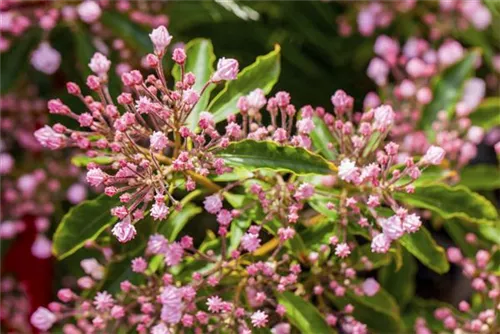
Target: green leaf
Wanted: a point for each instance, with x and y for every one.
(481, 177)
(263, 74)
(400, 283)
(319, 202)
(238, 228)
(457, 232)
(252, 154)
(447, 88)
(82, 223)
(423, 247)
(376, 259)
(127, 30)
(200, 61)
(16, 60)
(177, 220)
(321, 137)
(84, 49)
(379, 312)
(487, 115)
(303, 314)
(83, 160)
(451, 202)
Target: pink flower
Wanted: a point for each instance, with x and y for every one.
(286, 233)
(160, 38)
(6, 163)
(383, 117)
(161, 328)
(215, 304)
(250, 241)
(224, 217)
(475, 134)
(190, 97)
(392, 227)
(348, 171)
(174, 253)
(305, 191)
(259, 319)
(206, 120)
(139, 265)
(157, 244)
(386, 47)
(179, 55)
(92, 268)
(159, 211)
(342, 250)
(380, 243)
(227, 69)
(256, 99)
(42, 247)
(103, 301)
(378, 70)
(434, 155)
(43, 319)
(454, 255)
(50, 139)
(213, 204)
(305, 125)
(480, 17)
(411, 223)
(89, 11)
(99, 64)
(46, 59)
(450, 52)
(281, 328)
(96, 177)
(117, 312)
(124, 231)
(76, 193)
(370, 287)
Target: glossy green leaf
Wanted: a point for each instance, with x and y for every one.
(252, 154)
(424, 248)
(400, 283)
(82, 223)
(321, 137)
(447, 88)
(263, 74)
(83, 160)
(129, 31)
(200, 61)
(451, 202)
(376, 259)
(177, 220)
(379, 312)
(487, 115)
(481, 177)
(302, 314)
(16, 60)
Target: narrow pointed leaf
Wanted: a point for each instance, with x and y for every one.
(252, 154)
(487, 115)
(303, 314)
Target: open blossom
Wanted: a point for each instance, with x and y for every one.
(159, 211)
(50, 139)
(342, 250)
(256, 99)
(124, 231)
(43, 319)
(160, 38)
(380, 243)
(434, 155)
(215, 304)
(173, 254)
(46, 59)
(99, 64)
(96, 177)
(392, 227)
(227, 69)
(250, 241)
(213, 204)
(348, 171)
(259, 319)
(103, 301)
(411, 223)
(384, 117)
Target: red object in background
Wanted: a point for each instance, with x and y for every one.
(33, 273)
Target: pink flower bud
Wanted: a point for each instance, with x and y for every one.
(434, 155)
(124, 231)
(96, 177)
(50, 139)
(227, 69)
(43, 319)
(65, 295)
(179, 56)
(73, 88)
(99, 64)
(160, 38)
(370, 287)
(380, 243)
(152, 60)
